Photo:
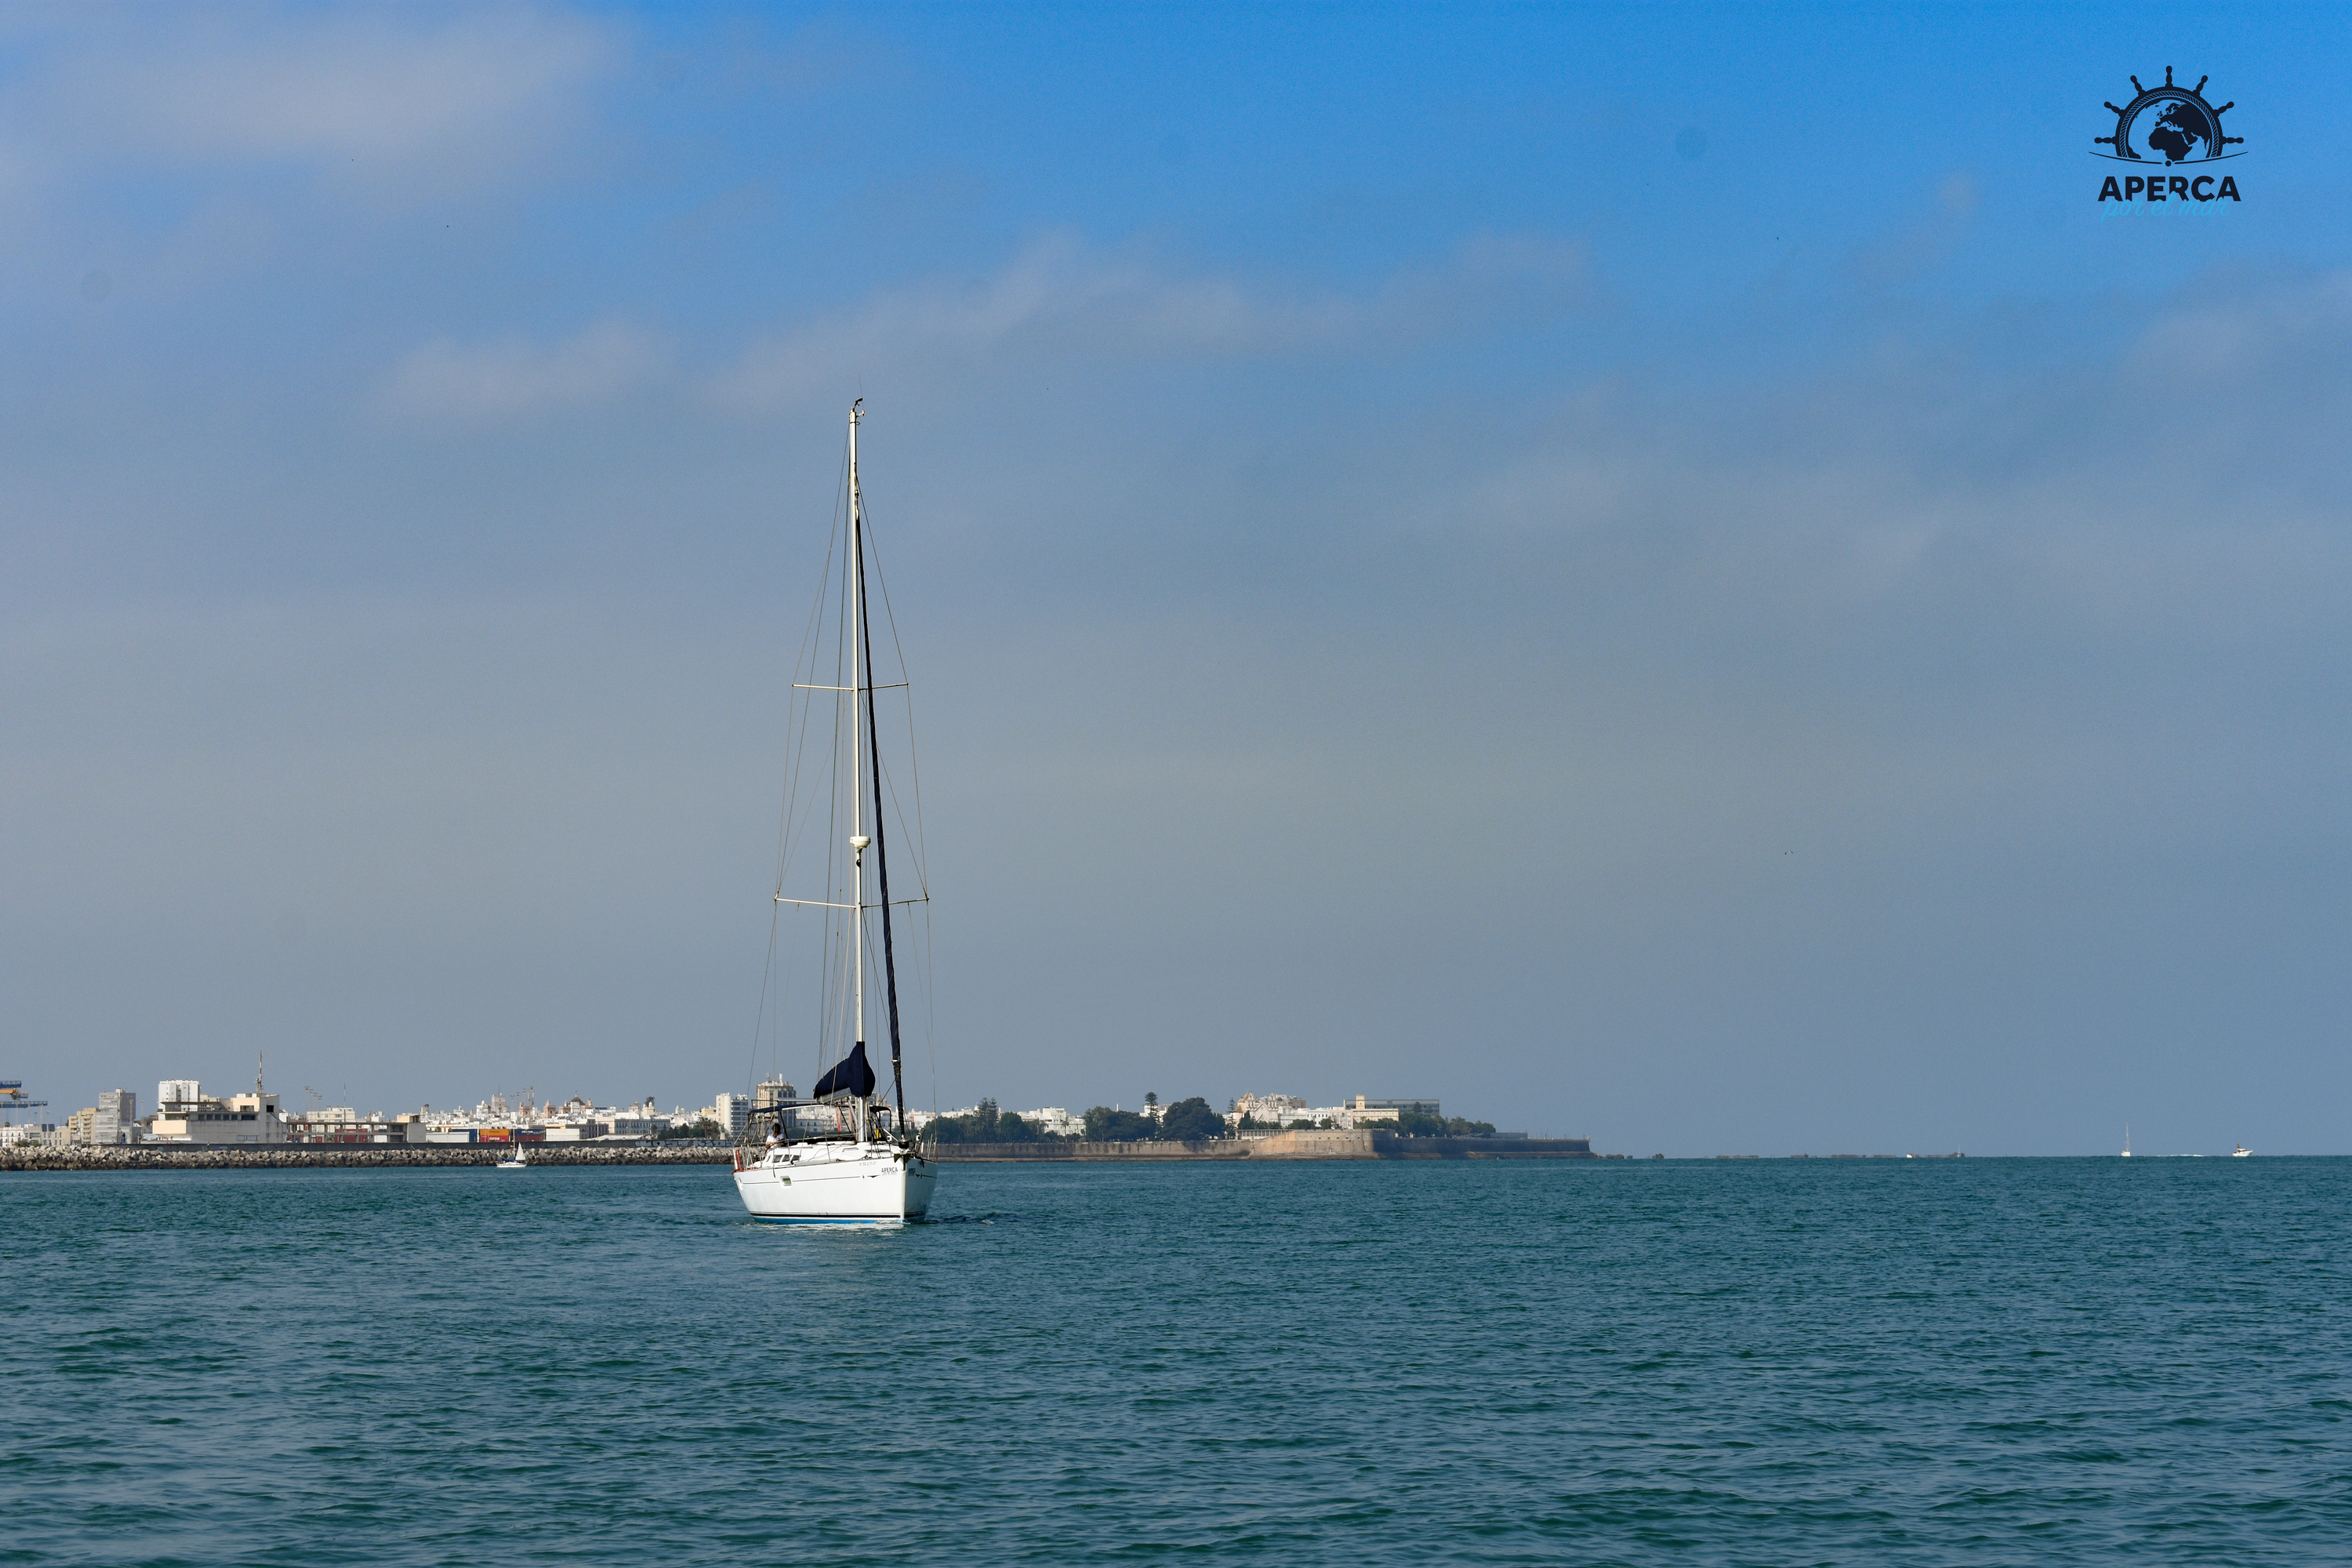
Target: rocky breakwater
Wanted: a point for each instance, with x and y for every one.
(354, 1156)
(1299, 1144)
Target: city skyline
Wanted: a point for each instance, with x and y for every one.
(186, 1113)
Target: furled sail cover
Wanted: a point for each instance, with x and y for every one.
(850, 1075)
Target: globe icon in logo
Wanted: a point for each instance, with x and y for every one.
(2168, 124)
(2182, 130)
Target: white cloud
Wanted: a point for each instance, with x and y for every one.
(513, 379)
(388, 94)
(2238, 334)
(1922, 481)
(1060, 296)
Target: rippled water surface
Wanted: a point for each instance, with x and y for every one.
(1950, 1362)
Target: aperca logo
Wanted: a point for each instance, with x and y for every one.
(2176, 126)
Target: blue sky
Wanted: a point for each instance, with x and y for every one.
(1652, 572)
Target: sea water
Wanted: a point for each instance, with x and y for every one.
(1879, 1361)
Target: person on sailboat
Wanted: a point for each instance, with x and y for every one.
(776, 1131)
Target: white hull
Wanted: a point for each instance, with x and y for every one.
(841, 1182)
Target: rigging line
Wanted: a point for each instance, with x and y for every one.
(922, 855)
(830, 994)
(882, 870)
(918, 962)
(829, 1001)
(914, 766)
(800, 832)
(842, 974)
(832, 1038)
(800, 836)
(784, 999)
(922, 870)
(922, 873)
(835, 872)
(783, 994)
(930, 1014)
(783, 815)
(915, 777)
(769, 977)
(785, 980)
(798, 755)
(919, 876)
(767, 974)
(811, 632)
(833, 540)
(808, 711)
(832, 1008)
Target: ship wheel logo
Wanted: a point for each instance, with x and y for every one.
(2181, 127)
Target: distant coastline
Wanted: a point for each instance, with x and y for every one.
(1281, 1147)
(352, 1156)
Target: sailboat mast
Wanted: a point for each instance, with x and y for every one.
(862, 695)
(860, 680)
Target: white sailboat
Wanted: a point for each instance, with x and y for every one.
(842, 1155)
(2127, 1140)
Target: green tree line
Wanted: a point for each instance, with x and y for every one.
(1414, 1124)
(1186, 1121)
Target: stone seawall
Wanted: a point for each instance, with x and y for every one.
(1315, 1143)
(1389, 1146)
(1071, 1149)
(356, 1156)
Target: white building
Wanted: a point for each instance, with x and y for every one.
(1370, 1112)
(1287, 1110)
(732, 1112)
(239, 1119)
(1271, 1110)
(1290, 1111)
(632, 1121)
(341, 1124)
(116, 1118)
(174, 1091)
(495, 1121)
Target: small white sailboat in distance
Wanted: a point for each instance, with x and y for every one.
(514, 1160)
(845, 1155)
(2127, 1140)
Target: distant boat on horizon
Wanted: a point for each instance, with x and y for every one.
(2239, 1152)
(2127, 1140)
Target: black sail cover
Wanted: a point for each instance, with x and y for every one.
(850, 1075)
